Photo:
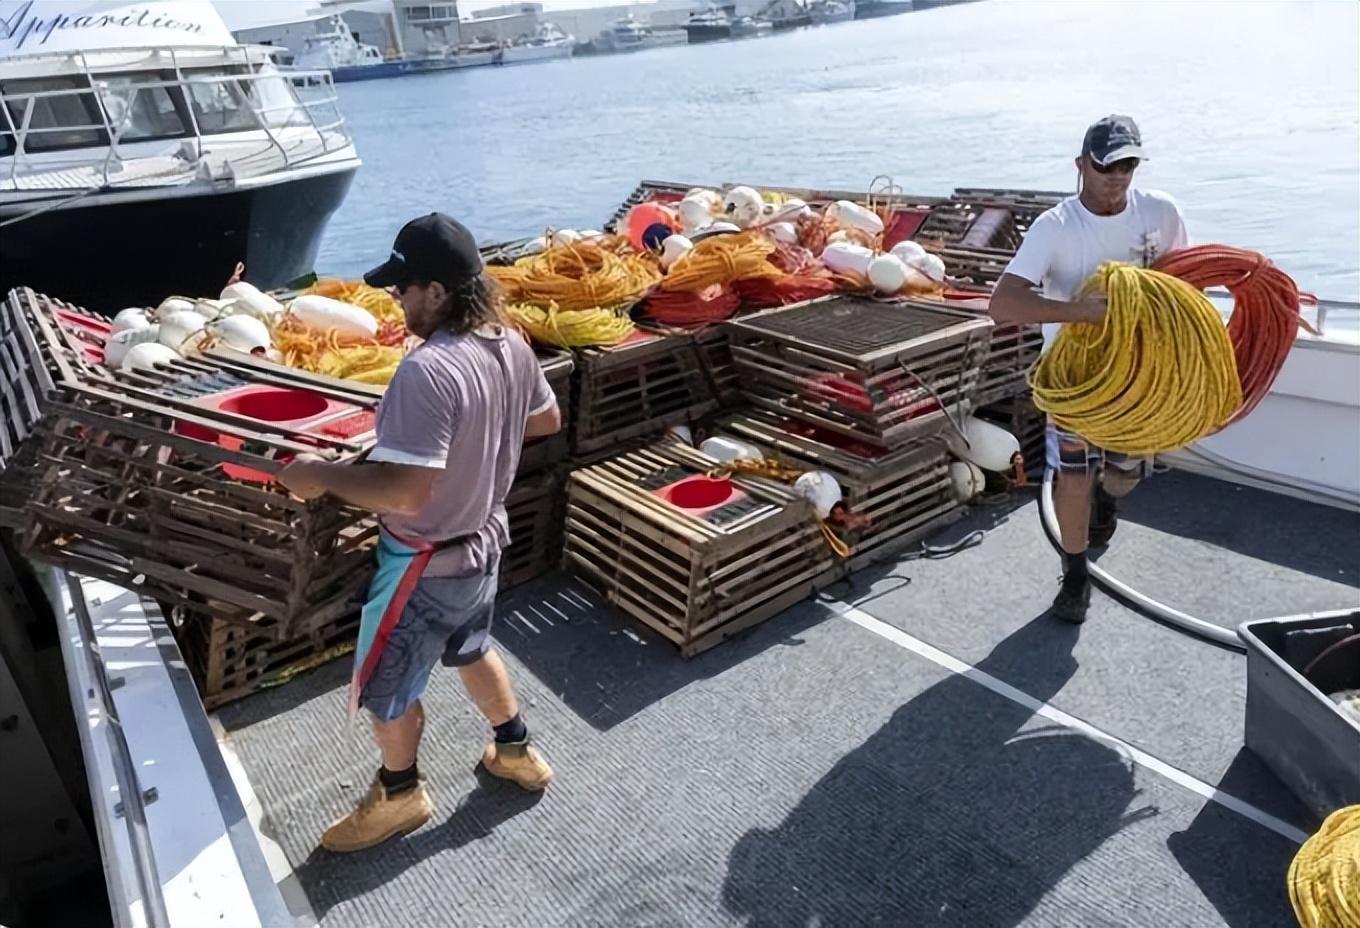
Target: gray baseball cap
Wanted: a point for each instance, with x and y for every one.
(1112, 139)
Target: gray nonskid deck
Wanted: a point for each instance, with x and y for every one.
(811, 772)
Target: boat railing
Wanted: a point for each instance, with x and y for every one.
(257, 94)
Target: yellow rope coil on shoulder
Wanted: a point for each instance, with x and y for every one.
(1157, 374)
(1324, 879)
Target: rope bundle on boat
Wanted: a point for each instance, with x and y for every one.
(571, 328)
(685, 308)
(578, 276)
(802, 277)
(722, 260)
(1265, 315)
(1157, 374)
(1324, 879)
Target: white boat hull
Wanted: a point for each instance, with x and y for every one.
(1304, 437)
(527, 54)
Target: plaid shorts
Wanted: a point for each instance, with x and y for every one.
(1070, 453)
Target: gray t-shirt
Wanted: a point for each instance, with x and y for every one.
(459, 403)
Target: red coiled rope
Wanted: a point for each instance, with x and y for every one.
(684, 308)
(1265, 317)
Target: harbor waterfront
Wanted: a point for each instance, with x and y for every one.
(1252, 118)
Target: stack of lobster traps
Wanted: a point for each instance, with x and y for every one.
(160, 480)
(691, 554)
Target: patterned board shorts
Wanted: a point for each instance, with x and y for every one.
(1068, 452)
(446, 618)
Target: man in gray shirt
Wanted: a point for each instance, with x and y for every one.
(449, 433)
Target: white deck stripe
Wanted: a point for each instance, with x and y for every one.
(1001, 688)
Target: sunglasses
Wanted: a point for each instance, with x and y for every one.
(1122, 166)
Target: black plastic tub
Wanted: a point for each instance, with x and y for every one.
(1307, 740)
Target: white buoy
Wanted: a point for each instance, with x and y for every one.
(695, 212)
(172, 304)
(847, 257)
(907, 250)
(133, 317)
(850, 215)
(743, 206)
(930, 265)
(726, 449)
(989, 446)
(244, 333)
(681, 433)
(565, 237)
(118, 344)
(820, 489)
(784, 232)
(147, 355)
(887, 274)
(968, 480)
(181, 331)
(673, 249)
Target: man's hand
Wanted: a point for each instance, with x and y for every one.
(1090, 309)
(302, 477)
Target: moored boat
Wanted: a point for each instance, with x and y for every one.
(111, 129)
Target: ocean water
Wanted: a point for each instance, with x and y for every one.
(1250, 112)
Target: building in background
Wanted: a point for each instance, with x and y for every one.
(398, 28)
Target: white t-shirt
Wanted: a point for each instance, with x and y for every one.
(1068, 243)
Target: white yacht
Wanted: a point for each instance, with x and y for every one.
(547, 42)
(832, 11)
(335, 49)
(143, 151)
(629, 35)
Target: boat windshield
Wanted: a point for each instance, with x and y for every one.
(70, 111)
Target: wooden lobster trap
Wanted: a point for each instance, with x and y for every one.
(161, 480)
(25, 385)
(904, 494)
(1012, 350)
(535, 510)
(229, 661)
(694, 558)
(636, 389)
(884, 373)
(547, 450)
(714, 345)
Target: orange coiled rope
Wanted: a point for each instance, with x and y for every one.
(722, 259)
(1265, 317)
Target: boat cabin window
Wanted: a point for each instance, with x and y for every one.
(138, 113)
(219, 105)
(56, 117)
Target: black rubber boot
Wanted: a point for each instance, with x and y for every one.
(1104, 518)
(1072, 601)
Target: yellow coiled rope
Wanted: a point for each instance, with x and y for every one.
(571, 328)
(1158, 374)
(1324, 879)
(578, 276)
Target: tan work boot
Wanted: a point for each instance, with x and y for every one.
(519, 762)
(378, 817)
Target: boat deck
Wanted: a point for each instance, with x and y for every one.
(922, 746)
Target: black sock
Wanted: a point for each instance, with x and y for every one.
(513, 731)
(1075, 569)
(398, 781)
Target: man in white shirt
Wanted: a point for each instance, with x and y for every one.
(1106, 221)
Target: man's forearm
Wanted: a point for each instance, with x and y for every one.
(365, 486)
(1025, 306)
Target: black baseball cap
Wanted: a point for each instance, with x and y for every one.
(1112, 139)
(433, 247)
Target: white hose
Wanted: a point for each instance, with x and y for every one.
(1228, 638)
